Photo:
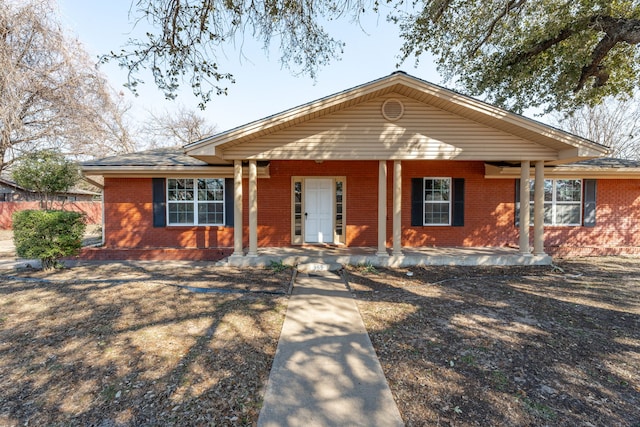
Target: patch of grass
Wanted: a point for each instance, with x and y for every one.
(499, 333)
(366, 268)
(539, 409)
(109, 392)
(499, 380)
(55, 367)
(101, 329)
(468, 359)
(278, 266)
(130, 353)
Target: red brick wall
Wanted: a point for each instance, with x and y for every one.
(128, 211)
(617, 229)
(274, 200)
(489, 214)
(153, 254)
(488, 207)
(92, 210)
(129, 219)
(489, 211)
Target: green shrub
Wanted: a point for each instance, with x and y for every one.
(48, 235)
(46, 172)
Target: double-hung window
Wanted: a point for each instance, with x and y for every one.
(437, 201)
(562, 201)
(195, 201)
(567, 202)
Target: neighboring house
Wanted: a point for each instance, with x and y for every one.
(12, 192)
(391, 164)
(16, 198)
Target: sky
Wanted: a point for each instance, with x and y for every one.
(263, 86)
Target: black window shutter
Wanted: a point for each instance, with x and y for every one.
(417, 201)
(516, 220)
(458, 202)
(228, 202)
(589, 219)
(159, 203)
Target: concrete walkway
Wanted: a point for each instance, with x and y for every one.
(325, 371)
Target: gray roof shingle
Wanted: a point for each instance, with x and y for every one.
(606, 162)
(170, 156)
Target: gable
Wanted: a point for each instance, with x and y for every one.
(438, 124)
(363, 133)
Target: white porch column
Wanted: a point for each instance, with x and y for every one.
(524, 206)
(382, 209)
(253, 209)
(538, 210)
(237, 209)
(397, 207)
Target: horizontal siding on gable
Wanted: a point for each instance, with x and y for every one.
(424, 132)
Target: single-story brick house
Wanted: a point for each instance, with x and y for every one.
(392, 164)
(12, 192)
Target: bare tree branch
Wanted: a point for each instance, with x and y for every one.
(51, 95)
(177, 128)
(613, 123)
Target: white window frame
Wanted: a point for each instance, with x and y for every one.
(557, 203)
(425, 201)
(195, 203)
(554, 202)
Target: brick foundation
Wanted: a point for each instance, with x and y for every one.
(153, 254)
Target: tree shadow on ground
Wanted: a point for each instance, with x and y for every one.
(74, 352)
(325, 371)
(508, 345)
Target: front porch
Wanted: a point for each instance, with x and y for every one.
(332, 257)
(392, 248)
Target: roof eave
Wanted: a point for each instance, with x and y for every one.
(565, 171)
(222, 171)
(287, 116)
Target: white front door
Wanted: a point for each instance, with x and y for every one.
(318, 201)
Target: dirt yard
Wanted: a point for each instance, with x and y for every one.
(120, 345)
(516, 346)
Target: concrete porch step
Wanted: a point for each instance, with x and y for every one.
(367, 256)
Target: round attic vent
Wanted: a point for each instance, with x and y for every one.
(392, 109)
